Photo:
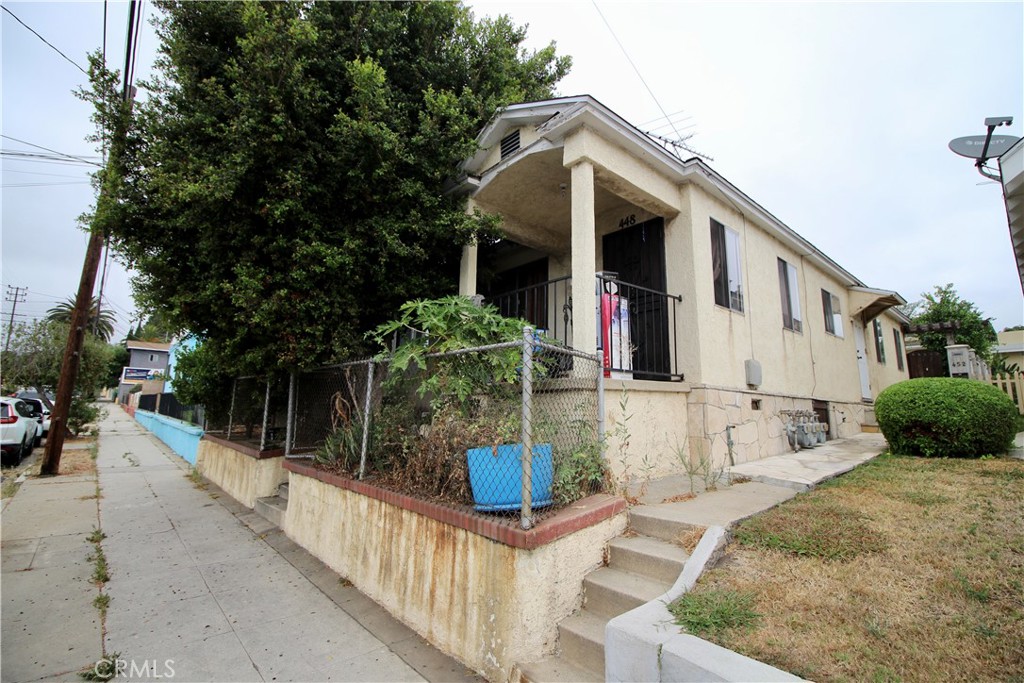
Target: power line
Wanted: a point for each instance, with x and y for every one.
(15, 295)
(33, 158)
(47, 149)
(52, 175)
(12, 185)
(71, 61)
(639, 75)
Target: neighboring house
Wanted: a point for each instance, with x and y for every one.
(1011, 170)
(147, 365)
(178, 346)
(1010, 346)
(732, 316)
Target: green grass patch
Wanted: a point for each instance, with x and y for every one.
(103, 670)
(811, 526)
(709, 614)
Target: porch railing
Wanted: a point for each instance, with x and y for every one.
(547, 306)
(637, 332)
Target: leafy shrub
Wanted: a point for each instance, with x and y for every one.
(946, 417)
(80, 414)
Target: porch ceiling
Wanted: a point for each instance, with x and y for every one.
(528, 192)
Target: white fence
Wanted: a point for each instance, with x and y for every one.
(1012, 386)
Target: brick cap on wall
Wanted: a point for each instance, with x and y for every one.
(243, 449)
(580, 515)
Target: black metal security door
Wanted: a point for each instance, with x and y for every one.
(637, 254)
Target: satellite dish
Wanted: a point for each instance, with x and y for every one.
(972, 145)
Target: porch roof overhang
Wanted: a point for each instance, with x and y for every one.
(557, 119)
(1011, 169)
(868, 303)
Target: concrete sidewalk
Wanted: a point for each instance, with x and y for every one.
(51, 630)
(201, 588)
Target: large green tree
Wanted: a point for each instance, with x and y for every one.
(283, 186)
(35, 357)
(944, 304)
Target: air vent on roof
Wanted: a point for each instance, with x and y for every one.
(510, 143)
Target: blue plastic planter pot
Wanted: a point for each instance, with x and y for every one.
(496, 476)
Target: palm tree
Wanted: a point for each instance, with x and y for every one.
(102, 326)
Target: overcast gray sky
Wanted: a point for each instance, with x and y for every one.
(833, 116)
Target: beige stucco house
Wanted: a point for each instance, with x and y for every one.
(733, 316)
(1010, 346)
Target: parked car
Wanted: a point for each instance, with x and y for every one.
(20, 430)
(40, 406)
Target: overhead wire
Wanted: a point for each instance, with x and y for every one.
(681, 137)
(47, 149)
(130, 54)
(36, 33)
(12, 185)
(630, 60)
(52, 175)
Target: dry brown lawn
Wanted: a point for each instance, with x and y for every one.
(928, 586)
(76, 457)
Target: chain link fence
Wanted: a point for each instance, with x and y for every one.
(512, 430)
(258, 413)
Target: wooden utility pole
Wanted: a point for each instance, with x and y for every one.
(83, 305)
(72, 355)
(15, 295)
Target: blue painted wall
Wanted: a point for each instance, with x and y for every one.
(182, 437)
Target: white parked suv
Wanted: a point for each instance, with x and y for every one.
(20, 430)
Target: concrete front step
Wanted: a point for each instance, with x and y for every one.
(555, 669)
(581, 640)
(282, 490)
(646, 556)
(610, 592)
(272, 509)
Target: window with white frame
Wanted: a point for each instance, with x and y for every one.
(725, 266)
(879, 341)
(791, 318)
(833, 313)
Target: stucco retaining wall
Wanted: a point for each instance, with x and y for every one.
(182, 437)
(487, 603)
(245, 475)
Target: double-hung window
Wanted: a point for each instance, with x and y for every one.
(791, 318)
(725, 266)
(879, 341)
(833, 314)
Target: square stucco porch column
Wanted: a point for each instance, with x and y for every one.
(584, 259)
(467, 271)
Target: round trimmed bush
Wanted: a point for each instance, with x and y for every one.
(946, 417)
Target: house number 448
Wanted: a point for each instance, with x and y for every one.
(628, 221)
